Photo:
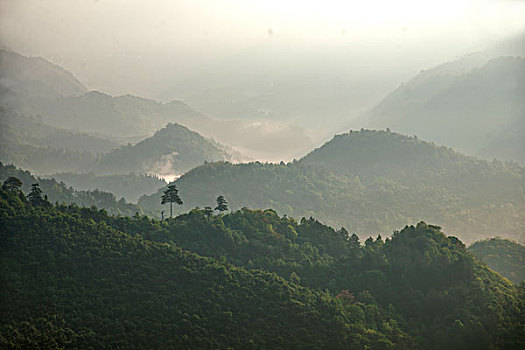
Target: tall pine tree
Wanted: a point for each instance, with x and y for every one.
(171, 195)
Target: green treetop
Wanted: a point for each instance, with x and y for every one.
(222, 204)
(171, 195)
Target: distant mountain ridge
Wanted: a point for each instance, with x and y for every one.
(36, 76)
(130, 116)
(465, 109)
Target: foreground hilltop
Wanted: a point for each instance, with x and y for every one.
(250, 279)
(371, 182)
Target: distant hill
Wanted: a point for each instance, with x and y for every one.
(21, 129)
(34, 145)
(120, 116)
(170, 151)
(502, 255)
(371, 182)
(469, 110)
(30, 143)
(35, 76)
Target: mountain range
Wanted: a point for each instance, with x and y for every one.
(477, 110)
(371, 182)
(130, 117)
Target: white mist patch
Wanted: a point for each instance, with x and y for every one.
(169, 178)
(164, 165)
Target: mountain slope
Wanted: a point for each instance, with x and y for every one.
(170, 151)
(128, 186)
(508, 144)
(21, 129)
(407, 277)
(44, 149)
(371, 182)
(466, 111)
(502, 255)
(80, 278)
(70, 280)
(58, 192)
(34, 76)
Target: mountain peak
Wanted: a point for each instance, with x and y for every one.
(36, 76)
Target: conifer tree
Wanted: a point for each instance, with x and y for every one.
(222, 204)
(35, 195)
(12, 184)
(171, 195)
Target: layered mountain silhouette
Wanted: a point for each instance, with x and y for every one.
(470, 109)
(130, 117)
(371, 182)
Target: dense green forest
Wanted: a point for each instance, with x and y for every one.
(61, 193)
(502, 255)
(76, 277)
(129, 186)
(71, 280)
(371, 182)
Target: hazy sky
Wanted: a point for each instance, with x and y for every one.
(114, 45)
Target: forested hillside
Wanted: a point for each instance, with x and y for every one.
(371, 182)
(59, 192)
(79, 278)
(129, 186)
(70, 280)
(502, 255)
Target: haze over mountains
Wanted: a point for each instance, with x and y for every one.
(265, 122)
(128, 117)
(170, 178)
(478, 110)
(353, 169)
